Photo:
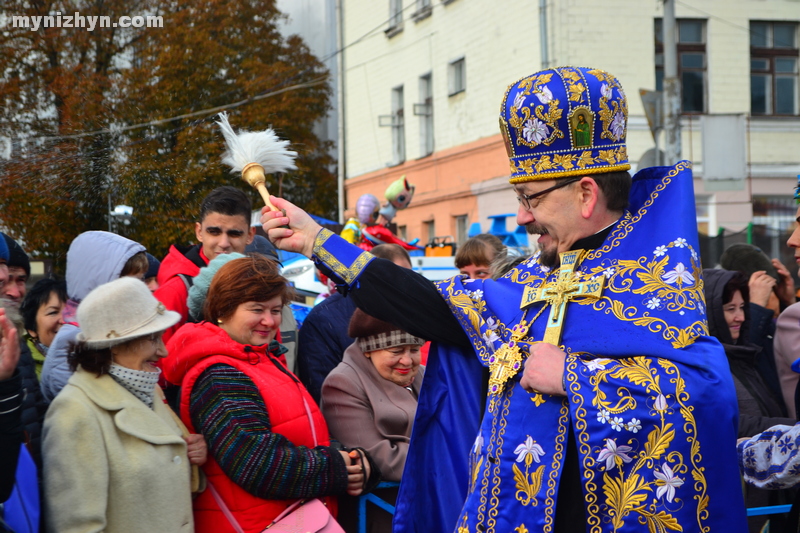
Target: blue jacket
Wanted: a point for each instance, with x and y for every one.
(322, 341)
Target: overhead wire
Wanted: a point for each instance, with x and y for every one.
(216, 109)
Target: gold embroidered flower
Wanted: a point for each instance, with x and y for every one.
(609, 156)
(585, 159)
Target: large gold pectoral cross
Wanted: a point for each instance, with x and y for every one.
(558, 294)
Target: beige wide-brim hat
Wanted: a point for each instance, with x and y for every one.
(119, 311)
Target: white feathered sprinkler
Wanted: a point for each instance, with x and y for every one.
(255, 154)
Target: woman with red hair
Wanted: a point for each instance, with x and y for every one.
(269, 443)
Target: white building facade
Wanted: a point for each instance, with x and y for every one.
(423, 81)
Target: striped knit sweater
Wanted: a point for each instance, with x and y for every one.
(227, 408)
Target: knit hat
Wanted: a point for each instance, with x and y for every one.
(202, 281)
(373, 334)
(153, 265)
(747, 259)
(119, 311)
(261, 245)
(16, 255)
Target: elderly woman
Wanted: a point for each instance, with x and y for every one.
(42, 311)
(370, 399)
(269, 443)
(115, 456)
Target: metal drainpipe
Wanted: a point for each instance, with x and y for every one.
(341, 171)
(543, 32)
(672, 87)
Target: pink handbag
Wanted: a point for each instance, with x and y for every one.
(311, 516)
(303, 516)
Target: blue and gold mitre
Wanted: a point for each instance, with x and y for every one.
(564, 122)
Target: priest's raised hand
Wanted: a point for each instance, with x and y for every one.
(291, 228)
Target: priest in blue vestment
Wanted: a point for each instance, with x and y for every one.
(580, 391)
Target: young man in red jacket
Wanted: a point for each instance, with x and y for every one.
(224, 227)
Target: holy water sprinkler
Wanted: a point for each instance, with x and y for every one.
(256, 154)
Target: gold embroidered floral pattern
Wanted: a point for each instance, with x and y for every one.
(528, 484)
(643, 479)
(574, 83)
(463, 527)
(559, 163)
(614, 117)
(537, 398)
(674, 288)
(541, 125)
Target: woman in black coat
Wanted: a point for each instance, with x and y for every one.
(727, 299)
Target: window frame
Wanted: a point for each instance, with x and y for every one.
(771, 53)
(461, 223)
(398, 125)
(683, 48)
(424, 110)
(395, 18)
(457, 72)
(423, 10)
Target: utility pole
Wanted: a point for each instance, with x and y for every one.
(672, 87)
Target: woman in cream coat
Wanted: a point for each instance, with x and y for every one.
(115, 457)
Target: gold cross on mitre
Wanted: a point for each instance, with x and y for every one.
(558, 293)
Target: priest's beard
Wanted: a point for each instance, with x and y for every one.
(548, 256)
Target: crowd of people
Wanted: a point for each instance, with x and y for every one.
(583, 387)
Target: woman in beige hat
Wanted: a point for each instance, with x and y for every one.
(115, 456)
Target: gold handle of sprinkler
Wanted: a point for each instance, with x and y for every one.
(253, 173)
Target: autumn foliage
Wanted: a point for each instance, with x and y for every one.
(59, 87)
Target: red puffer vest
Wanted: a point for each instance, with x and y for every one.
(196, 347)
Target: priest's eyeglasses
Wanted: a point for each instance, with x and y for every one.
(525, 199)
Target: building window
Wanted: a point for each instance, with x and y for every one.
(704, 208)
(773, 221)
(423, 10)
(395, 18)
(461, 229)
(398, 127)
(691, 41)
(424, 110)
(774, 212)
(430, 230)
(773, 68)
(457, 77)
(402, 232)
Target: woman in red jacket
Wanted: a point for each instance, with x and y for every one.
(269, 443)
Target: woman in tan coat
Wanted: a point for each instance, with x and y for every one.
(370, 399)
(115, 458)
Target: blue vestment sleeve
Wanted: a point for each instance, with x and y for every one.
(436, 476)
(389, 292)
